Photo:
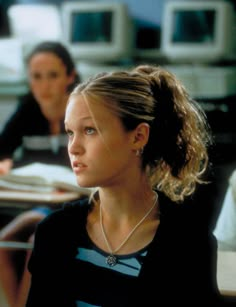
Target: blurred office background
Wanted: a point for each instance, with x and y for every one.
(216, 81)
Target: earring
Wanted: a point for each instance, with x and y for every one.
(139, 152)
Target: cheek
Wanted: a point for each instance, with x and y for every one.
(63, 84)
(36, 90)
(119, 146)
(34, 85)
(117, 152)
(98, 152)
(58, 86)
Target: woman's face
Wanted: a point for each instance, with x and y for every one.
(101, 151)
(48, 79)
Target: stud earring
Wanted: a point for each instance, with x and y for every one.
(139, 152)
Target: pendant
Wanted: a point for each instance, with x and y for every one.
(111, 260)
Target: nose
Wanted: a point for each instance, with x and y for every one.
(75, 147)
(45, 83)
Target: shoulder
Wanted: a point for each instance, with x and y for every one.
(196, 206)
(27, 98)
(171, 211)
(69, 215)
(26, 105)
(187, 222)
(61, 227)
(29, 103)
(185, 228)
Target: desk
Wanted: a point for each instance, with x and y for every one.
(226, 272)
(51, 191)
(14, 202)
(11, 199)
(15, 245)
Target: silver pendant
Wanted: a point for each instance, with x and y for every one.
(111, 260)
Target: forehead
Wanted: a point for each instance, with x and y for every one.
(81, 107)
(47, 59)
(76, 105)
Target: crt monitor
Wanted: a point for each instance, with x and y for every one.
(97, 31)
(198, 31)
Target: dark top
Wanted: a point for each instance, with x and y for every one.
(179, 267)
(28, 129)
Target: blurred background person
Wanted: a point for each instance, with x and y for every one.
(37, 129)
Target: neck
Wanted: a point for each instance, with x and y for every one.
(54, 111)
(112, 259)
(122, 204)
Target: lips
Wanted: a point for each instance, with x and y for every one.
(46, 96)
(78, 166)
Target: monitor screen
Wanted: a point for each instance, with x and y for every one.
(198, 31)
(97, 32)
(97, 27)
(193, 26)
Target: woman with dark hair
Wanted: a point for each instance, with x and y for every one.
(36, 127)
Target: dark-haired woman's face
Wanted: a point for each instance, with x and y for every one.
(48, 79)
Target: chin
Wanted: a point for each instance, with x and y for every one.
(84, 184)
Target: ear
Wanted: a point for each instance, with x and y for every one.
(140, 136)
(71, 77)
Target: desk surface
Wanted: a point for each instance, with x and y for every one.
(226, 272)
(11, 199)
(38, 197)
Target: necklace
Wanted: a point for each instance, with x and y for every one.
(111, 259)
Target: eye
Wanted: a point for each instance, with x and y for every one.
(69, 133)
(53, 75)
(89, 130)
(35, 76)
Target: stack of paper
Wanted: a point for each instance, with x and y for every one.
(40, 177)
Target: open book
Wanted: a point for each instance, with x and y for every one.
(40, 177)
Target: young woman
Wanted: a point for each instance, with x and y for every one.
(37, 125)
(142, 142)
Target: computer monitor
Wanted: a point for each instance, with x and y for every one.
(97, 31)
(198, 31)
